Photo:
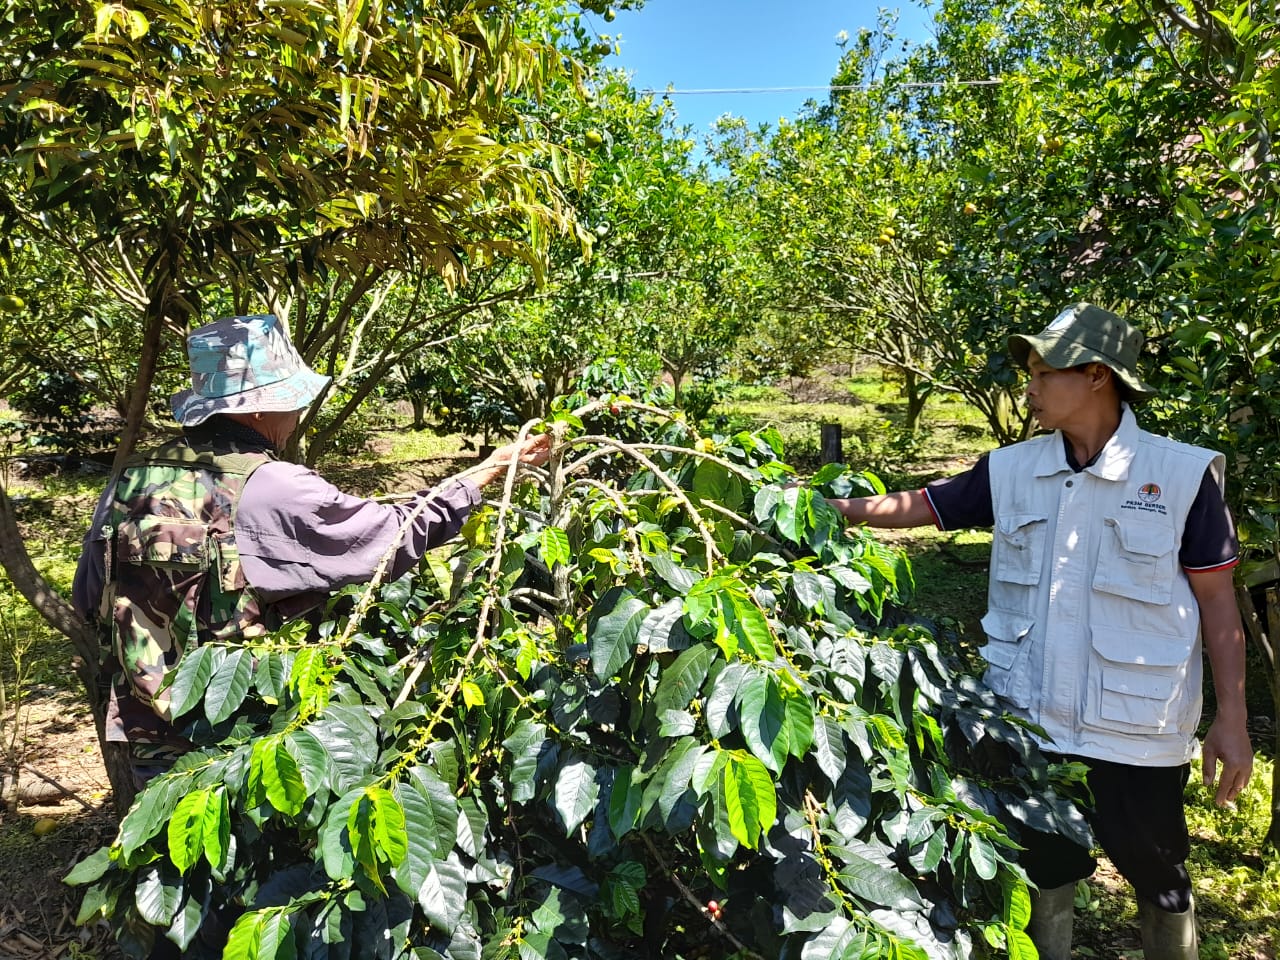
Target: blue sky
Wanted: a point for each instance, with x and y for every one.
(698, 44)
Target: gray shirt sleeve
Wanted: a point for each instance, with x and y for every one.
(298, 533)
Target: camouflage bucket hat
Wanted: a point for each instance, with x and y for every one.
(244, 365)
(1083, 333)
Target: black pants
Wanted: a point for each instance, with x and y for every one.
(1139, 822)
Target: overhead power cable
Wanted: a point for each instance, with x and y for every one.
(829, 88)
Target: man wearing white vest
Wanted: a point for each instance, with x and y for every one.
(1111, 565)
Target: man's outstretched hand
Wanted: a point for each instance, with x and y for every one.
(531, 452)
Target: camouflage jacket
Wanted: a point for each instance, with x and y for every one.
(173, 575)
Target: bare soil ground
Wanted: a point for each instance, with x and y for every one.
(62, 789)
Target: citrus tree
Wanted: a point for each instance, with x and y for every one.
(659, 254)
(657, 700)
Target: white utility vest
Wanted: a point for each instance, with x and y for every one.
(1093, 631)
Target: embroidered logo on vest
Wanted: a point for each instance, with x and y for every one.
(1147, 501)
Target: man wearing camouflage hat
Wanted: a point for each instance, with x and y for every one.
(1111, 564)
(212, 537)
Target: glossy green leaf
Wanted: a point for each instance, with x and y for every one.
(217, 830)
(99, 901)
(799, 722)
(423, 845)
(388, 825)
(669, 780)
(1017, 901)
(158, 894)
(270, 676)
(443, 804)
(575, 792)
(312, 759)
(807, 587)
(983, 856)
(191, 680)
(764, 720)
(336, 848)
(663, 629)
(309, 675)
(1020, 946)
(228, 685)
(875, 882)
(829, 748)
(443, 892)
(274, 776)
(750, 626)
(472, 695)
(682, 680)
(750, 799)
(706, 771)
(766, 501)
(90, 868)
(678, 578)
(186, 831)
(151, 811)
(714, 483)
(350, 738)
(261, 935)
(624, 802)
(554, 547)
(839, 940)
(791, 518)
(525, 746)
(614, 625)
(185, 926)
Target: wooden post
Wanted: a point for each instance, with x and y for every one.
(832, 444)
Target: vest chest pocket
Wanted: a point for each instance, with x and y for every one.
(1135, 560)
(163, 541)
(1136, 681)
(1006, 652)
(1019, 547)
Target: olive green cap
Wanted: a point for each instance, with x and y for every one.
(1083, 333)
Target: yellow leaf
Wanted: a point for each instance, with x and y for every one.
(472, 695)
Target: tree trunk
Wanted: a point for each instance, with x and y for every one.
(917, 393)
(419, 411)
(136, 415)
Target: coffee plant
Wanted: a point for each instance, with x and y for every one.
(681, 714)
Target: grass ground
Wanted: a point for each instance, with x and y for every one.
(1237, 886)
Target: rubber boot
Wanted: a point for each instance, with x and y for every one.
(1052, 916)
(1168, 936)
